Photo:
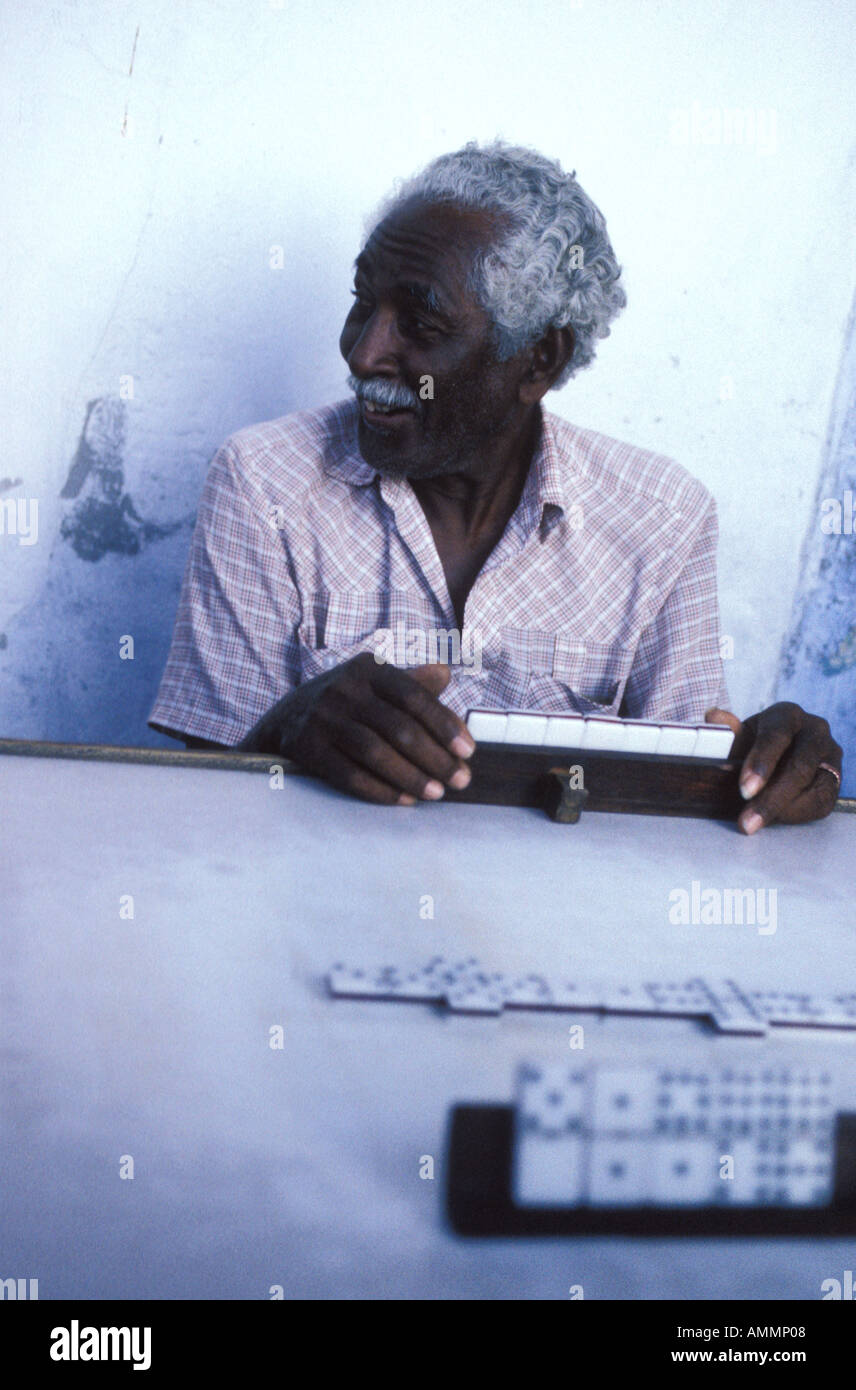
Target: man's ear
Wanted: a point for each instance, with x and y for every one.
(546, 361)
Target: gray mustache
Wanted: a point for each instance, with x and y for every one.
(378, 389)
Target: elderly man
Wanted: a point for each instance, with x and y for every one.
(444, 499)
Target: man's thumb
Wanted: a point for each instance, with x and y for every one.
(723, 716)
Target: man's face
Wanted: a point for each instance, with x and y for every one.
(414, 318)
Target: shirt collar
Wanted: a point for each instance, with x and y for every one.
(346, 462)
(543, 498)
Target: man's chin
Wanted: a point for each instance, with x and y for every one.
(389, 456)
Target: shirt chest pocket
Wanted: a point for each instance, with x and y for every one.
(595, 672)
(339, 624)
(551, 670)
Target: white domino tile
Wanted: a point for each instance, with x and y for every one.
(680, 999)
(806, 1010)
(472, 990)
(733, 1011)
(526, 728)
(470, 998)
(623, 1099)
(641, 738)
(805, 1169)
(552, 1099)
(551, 1174)
(713, 741)
(686, 1173)
(620, 1173)
(374, 983)
(837, 1012)
(676, 740)
(384, 982)
(578, 994)
(683, 1104)
(487, 726)
(605, 736)
(564, 731)
(780, 1171)
(630, 999)
(530, 992)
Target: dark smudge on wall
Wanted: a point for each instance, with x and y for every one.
(104, 518)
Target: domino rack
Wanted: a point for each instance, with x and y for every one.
(526, 759)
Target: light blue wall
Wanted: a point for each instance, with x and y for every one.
(819, 655)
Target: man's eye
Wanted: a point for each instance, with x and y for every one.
(412, 322)
(360, 300)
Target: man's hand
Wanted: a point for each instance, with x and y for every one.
(783, 750)
(372, 730)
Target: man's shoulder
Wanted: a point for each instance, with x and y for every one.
(613, 465)
(295, 448)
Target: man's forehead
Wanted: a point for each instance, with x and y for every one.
(431, 242)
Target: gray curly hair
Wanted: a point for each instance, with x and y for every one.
(552, 265)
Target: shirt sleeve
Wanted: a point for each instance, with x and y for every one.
(234, 646)
(677, 672)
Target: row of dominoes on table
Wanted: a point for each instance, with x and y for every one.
(604, 1136)
(597, 734)
(468, 987)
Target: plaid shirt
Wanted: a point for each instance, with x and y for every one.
(599, 596)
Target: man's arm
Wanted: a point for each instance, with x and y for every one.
(235, 647)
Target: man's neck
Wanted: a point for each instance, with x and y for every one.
(468, 512)
(484, 493)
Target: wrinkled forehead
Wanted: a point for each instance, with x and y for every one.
(435, 243)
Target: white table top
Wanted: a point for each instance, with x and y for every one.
(300, 1167)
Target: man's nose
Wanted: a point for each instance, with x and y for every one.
(374, 352)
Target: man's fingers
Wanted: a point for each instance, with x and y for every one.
(349, 776)
(794, 792)
(813, 803)
(401, 689)
(404, 735)
(371, 749)
(774, 731)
